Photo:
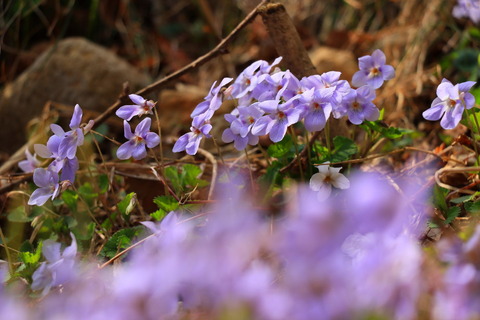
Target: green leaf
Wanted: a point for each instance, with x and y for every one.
(119, 241)
(87, 193)
(273, 175)
(451, 214)
(462, 199)
(128, 203)
(472, 207)
(282, 148)
(439, 195)
(466, 60)
(165, 205)
(173, 176)
(472, 114)
(31, 258)
(385, 131)
(344, 148)
(84, 231)
(190, 174)
(70, 198)
(103, 183)
(19, 215)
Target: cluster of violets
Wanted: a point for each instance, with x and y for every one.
(62, 148)
(141, 138)
(467, 9)
(270, 100)
(356, 257)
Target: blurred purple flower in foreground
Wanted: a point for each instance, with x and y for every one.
(452, 100)
(141, 107)
(59, 267)
(138, 142)
(373, 70)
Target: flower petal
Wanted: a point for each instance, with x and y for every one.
(76, 117)
(125, 150)
(41, 177)
(359, 79)
(378, 58)
(139, 151)
(42, 150)
(228, 136)
(435, 112)
(40, 196)
(138, 100)
(127, 112)
(127, 130)
(315, 121)
(143, 127)
(388, 72)
(182, 142)
(279, 128)
(340, 181)
(57, 130)
(152, 140)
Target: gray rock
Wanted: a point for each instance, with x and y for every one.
(73, 71)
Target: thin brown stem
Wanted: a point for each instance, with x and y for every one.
(218, 50)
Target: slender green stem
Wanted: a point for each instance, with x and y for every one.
(297, 153)
(473, 135)
(327, 136)
(227, 169)
(160, 135)
(7, 251)
(249, 170)
(309, 156)
(90, 211)
(265, 154)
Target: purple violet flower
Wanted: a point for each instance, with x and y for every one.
(141, 107)
(191, 141)
(65, 166)
(317, 107)
(280, 118)
(450, 103)
(47, 181)
(30, 164)
(213, 100)
(373, 70)
(241, 122)
(358, 106)
(136, 145)
(73, 138)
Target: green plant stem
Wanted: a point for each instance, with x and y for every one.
(7, 252)
(160, 136)
(227, 169)
(265, 154)
(249, 170)
(297, 154)
(473, 135)
(309, 156)
(327, 136)
(90, 211)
